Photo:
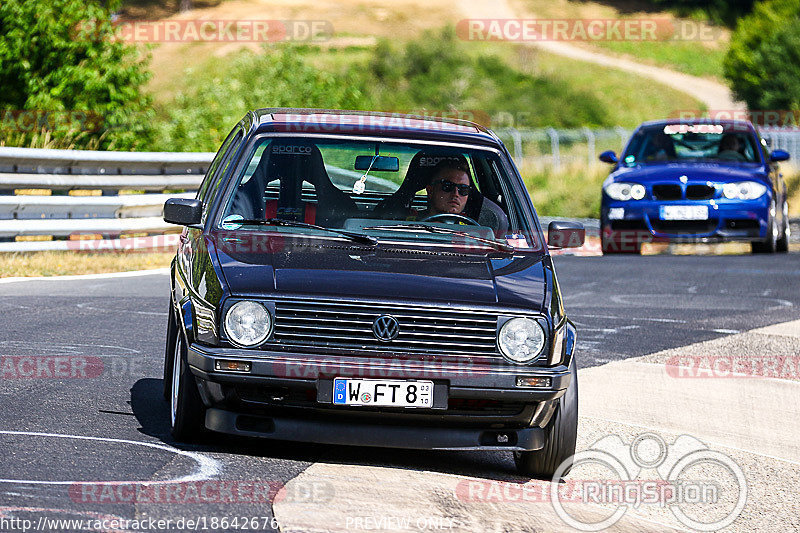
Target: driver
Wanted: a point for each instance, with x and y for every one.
(448, 190)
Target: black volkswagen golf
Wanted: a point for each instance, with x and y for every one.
(375, 280)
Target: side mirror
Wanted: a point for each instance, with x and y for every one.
(609, 157)
(183, 211)
(561, 234)
(779, 155)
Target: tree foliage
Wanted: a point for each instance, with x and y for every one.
(763, 61)
(60, 57)
(726, 12)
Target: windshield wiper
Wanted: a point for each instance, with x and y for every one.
(355, 237)
(497, 245)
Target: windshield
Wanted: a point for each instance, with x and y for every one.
(692, 142)
(388, 190)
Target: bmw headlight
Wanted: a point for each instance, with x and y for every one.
(625, 191)
(743, 190)
(521, 339)
(247, 323)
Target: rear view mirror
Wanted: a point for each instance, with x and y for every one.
(377, 162)
(183, 211)
(562, 234)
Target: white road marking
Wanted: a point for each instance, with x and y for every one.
(207, 468)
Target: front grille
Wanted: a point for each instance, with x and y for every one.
(667, 192)
(348, 324)
(699, 192)
(684, 227)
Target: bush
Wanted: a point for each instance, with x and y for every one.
(725, 12)
(60, 57)
(762, 62)
(434, 74)
(203, 114)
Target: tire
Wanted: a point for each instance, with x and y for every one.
(187, 413)
(782, 245)
(770, 244)
(560, 437)
(169, 348)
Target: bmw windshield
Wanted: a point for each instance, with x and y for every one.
(729, 143)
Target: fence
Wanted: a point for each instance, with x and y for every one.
(55, 221)
(551, 148)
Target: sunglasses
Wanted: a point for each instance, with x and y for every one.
(449, 186)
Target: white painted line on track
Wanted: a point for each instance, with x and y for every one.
(107, 275)
(207, 468)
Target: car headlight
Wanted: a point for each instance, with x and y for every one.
(743, 190)
(625, 191)
(247, 323)
(521, 339)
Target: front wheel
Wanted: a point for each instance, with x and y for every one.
(783, 241)
(187, 413)
(561, 436)
(770, 244)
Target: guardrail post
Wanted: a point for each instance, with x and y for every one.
(590, 146)
(517, 144)
(554, 147)
(623, 134)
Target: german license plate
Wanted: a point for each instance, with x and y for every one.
(383, 393)
(684, 212)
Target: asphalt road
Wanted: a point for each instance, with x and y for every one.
(624, 307)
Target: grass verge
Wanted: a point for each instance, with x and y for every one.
(696, 47)
(26, 264)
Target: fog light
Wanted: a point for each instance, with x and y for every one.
(526, 381)
(232, 366)
(616, 213)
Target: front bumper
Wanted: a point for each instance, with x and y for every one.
(728, 220)
(288, 396)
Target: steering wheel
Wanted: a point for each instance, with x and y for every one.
(453, 216)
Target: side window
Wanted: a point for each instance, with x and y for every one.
(212, 168)
(216, 175)
(226, 163)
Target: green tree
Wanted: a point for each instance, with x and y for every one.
(725, 12)
(763, 56)
(61, 57)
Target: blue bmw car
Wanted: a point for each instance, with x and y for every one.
(695, 181)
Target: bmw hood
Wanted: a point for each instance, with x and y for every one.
(334, 268)
(693, 172)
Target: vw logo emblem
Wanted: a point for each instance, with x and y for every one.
(385, 328)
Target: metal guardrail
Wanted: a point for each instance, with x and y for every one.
(64, 217)
(68, 220)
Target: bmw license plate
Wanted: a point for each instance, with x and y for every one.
(383, 393)
(684, 212)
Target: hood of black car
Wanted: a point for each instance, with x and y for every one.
(343, 270)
